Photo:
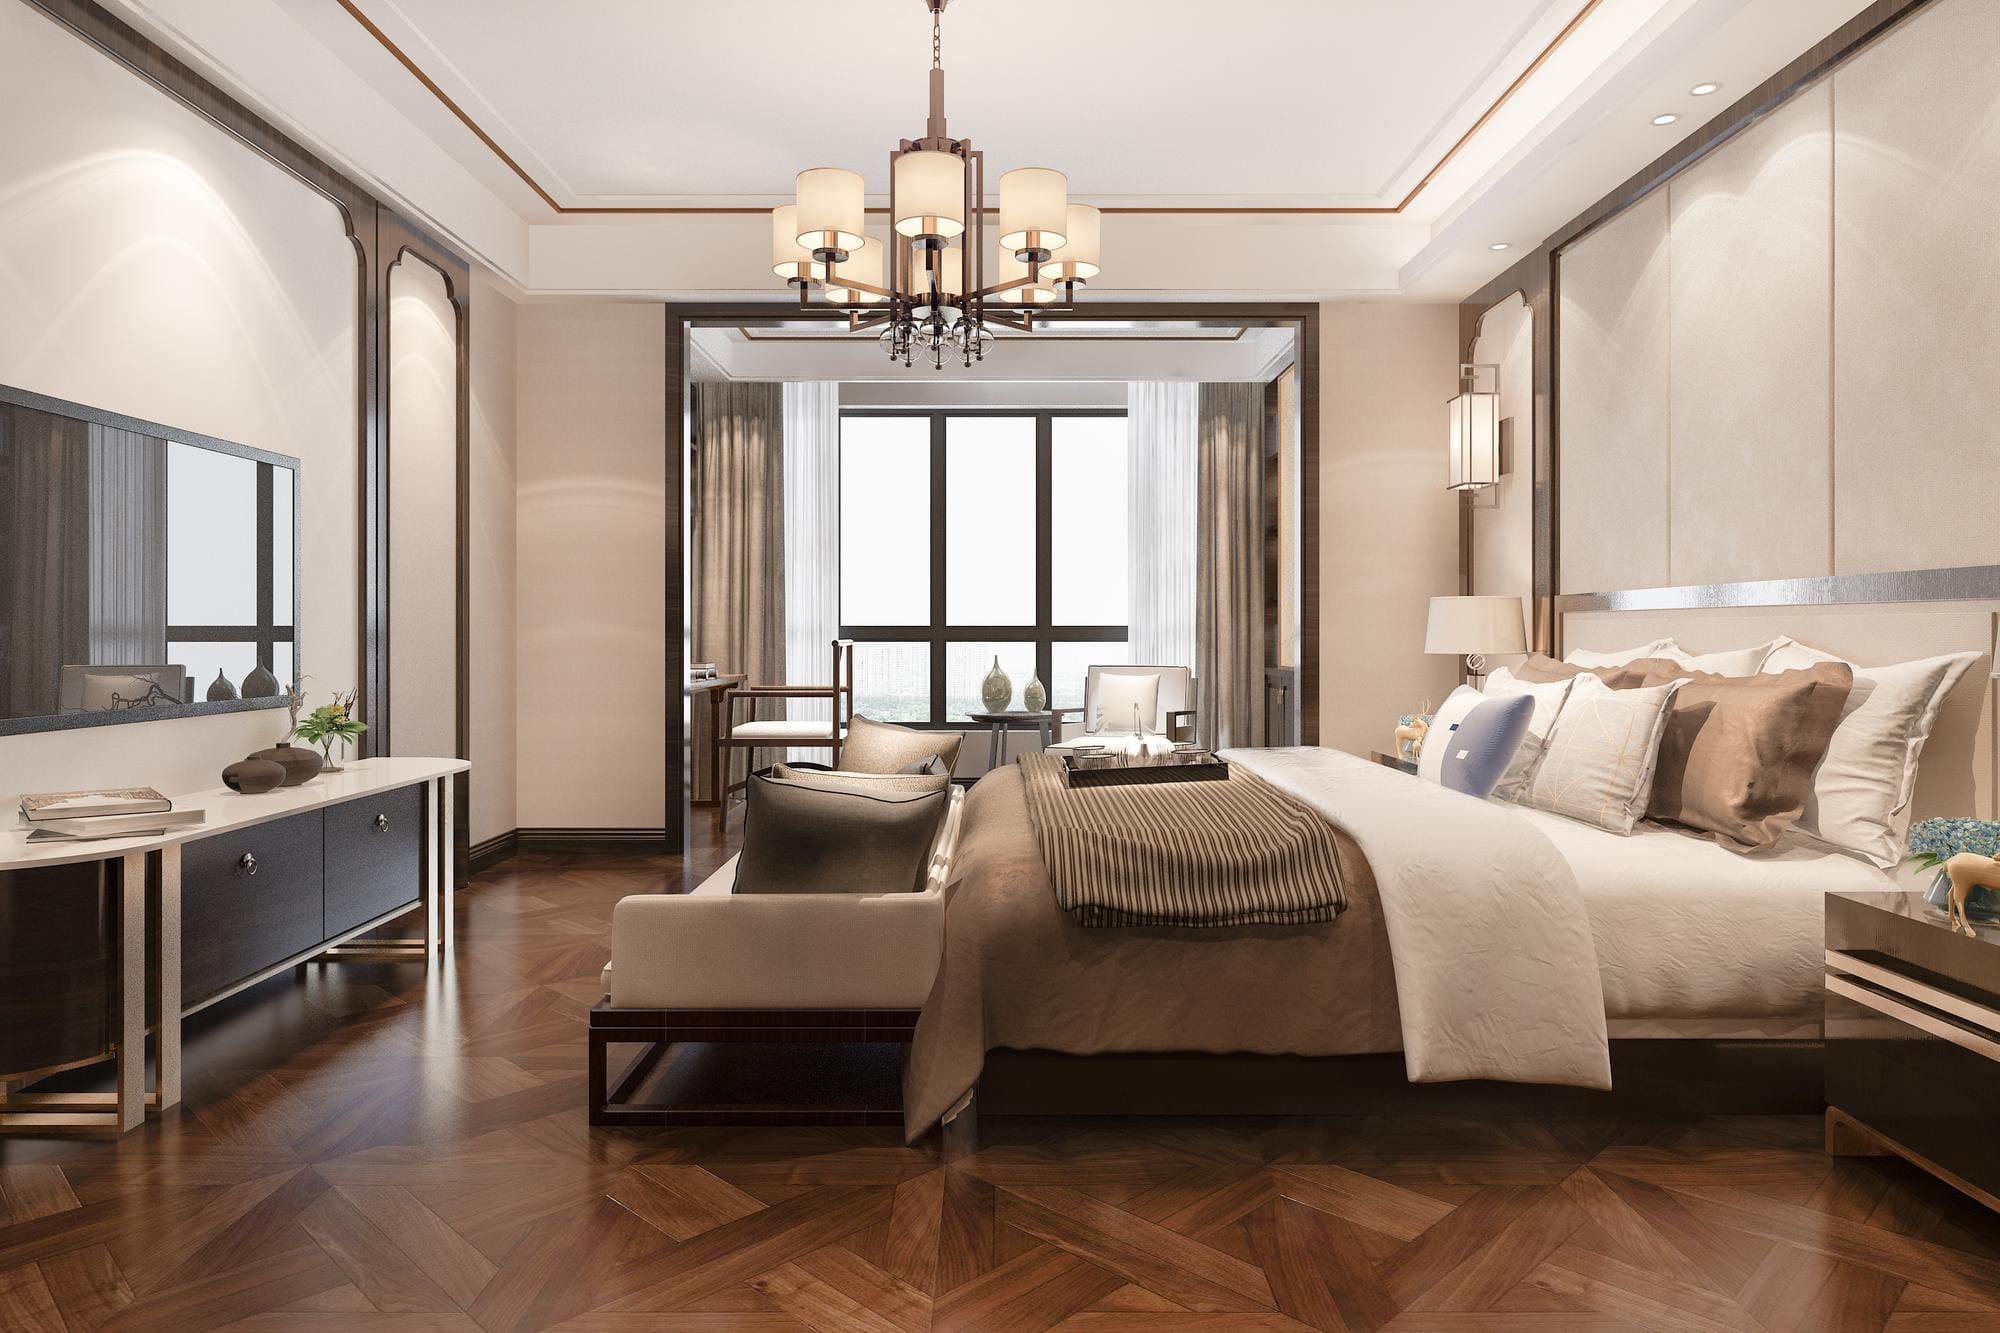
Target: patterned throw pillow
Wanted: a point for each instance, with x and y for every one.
(1598, 764)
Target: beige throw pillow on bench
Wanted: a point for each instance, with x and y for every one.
(884, 747)
(824, 835)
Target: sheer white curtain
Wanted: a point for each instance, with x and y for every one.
(1162, 421)
(812, 542)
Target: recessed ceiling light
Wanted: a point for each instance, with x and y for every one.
(1666, 118)
(1704, 89)
(1500, 245)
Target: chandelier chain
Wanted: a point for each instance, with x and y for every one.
(937, 40)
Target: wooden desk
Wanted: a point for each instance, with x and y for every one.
(712, 686)
(316, 872)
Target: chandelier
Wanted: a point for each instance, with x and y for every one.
(929, 291)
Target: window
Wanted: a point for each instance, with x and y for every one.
(229, 565)
(968, 537)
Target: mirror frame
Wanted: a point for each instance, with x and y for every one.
(21, 726)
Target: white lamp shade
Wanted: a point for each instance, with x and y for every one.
(1475, 625)
(1014, 272)
(832, 209)
(862, 265)
(789, 259)
(1475, 441)
(1078, 258)
(930, 195)
(1034, 209)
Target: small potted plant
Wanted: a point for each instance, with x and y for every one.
(1935, 841)
(329, 723)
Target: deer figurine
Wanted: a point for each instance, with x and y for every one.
(1968, 871)
(1414, 731)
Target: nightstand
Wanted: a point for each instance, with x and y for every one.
(1913, 1039)
(1393, 761)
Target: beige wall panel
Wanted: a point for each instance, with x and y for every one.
(1503, 538)
(591, 528)
(1748, 395)
(1917, 290)
(423, 512)
(492, 559)
(1613, 394)
(1388, 527)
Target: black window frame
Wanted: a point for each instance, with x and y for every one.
(267, 633)
(939, 632)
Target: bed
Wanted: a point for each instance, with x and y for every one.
(1686, 939)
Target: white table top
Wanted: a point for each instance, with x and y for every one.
(228, 810)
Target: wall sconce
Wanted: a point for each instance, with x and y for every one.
(1475, 461)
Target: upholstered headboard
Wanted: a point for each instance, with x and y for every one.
(1960, 771)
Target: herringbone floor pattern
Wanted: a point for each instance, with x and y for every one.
(368, 1148)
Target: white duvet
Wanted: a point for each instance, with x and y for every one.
(1496, 971)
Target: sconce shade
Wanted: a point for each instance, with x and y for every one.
(862, 265)
(1475, 441)
(1475, 625)
(832, 208)
(1077, 260)
(1013, 273)
(930, 195)
(789, 259)
(1034, 209)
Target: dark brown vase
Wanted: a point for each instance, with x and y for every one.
(299, 763)
(254, 776)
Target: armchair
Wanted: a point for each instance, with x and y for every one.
(1173, 718)
(734, 732)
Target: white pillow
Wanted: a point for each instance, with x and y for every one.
(1860, 797)
(1583, 657)
(1430, 763)
(1598, 763)
(1117, 694)
(1549, 696)
(1734, 662)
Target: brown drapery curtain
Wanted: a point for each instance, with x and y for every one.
(1229, 557)
(738, 508)
(44, 556)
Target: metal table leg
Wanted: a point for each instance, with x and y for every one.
(433, 882)
(131, 1076)
(448, 792)
(167, 964)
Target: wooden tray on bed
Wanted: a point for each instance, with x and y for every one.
(1128, 775)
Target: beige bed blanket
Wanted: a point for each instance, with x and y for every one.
(1019, 972)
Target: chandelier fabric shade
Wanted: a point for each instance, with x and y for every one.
(1034, 209)
(832, 210)
(864, 264)
(789, 259)
(934, 285)
(930, 195)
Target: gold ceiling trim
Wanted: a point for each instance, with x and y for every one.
(1380, 210)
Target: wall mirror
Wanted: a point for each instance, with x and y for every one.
(145, 572)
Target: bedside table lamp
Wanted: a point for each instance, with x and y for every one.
(1475, 626)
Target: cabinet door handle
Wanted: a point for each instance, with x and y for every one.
(247, 863)
(381, 823)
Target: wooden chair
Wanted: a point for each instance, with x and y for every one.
(753, 734)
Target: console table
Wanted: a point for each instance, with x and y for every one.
(264, 883)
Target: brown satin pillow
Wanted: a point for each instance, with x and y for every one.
(806, 837)
(1738, 753)
(1542, 669)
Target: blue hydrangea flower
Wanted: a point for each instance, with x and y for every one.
(1935, 841)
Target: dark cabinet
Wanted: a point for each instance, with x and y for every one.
(373, 857)
(250, 898)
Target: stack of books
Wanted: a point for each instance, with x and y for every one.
(85, 816)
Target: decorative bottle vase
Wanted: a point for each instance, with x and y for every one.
(1034, 698)
(221, 688)
(299, 763)
(260, 684)
(996, 691)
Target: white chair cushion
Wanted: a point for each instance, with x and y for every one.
(782, 729)
(1118, 696)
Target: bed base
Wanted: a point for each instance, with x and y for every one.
(658, 1031)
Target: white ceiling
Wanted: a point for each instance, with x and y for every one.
(1513, 115)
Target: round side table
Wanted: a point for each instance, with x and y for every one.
(1001, 723)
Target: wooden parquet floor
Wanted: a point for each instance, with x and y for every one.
(365, 1147)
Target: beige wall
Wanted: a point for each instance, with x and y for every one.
(1503, 537)
(423, 512)
(1388, 526)
(1773, 367)
(491, 539)
(152, 265)
(591, 542)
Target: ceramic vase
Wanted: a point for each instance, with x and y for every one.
(260, 684)
(221, 687)
(299, 763)
(996, 691)
(253, 776)
(1034, 698)
(1980, 904)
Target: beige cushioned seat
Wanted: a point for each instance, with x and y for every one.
(715, 949)
(782, 729)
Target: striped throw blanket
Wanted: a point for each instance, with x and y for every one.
(1231, 853)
